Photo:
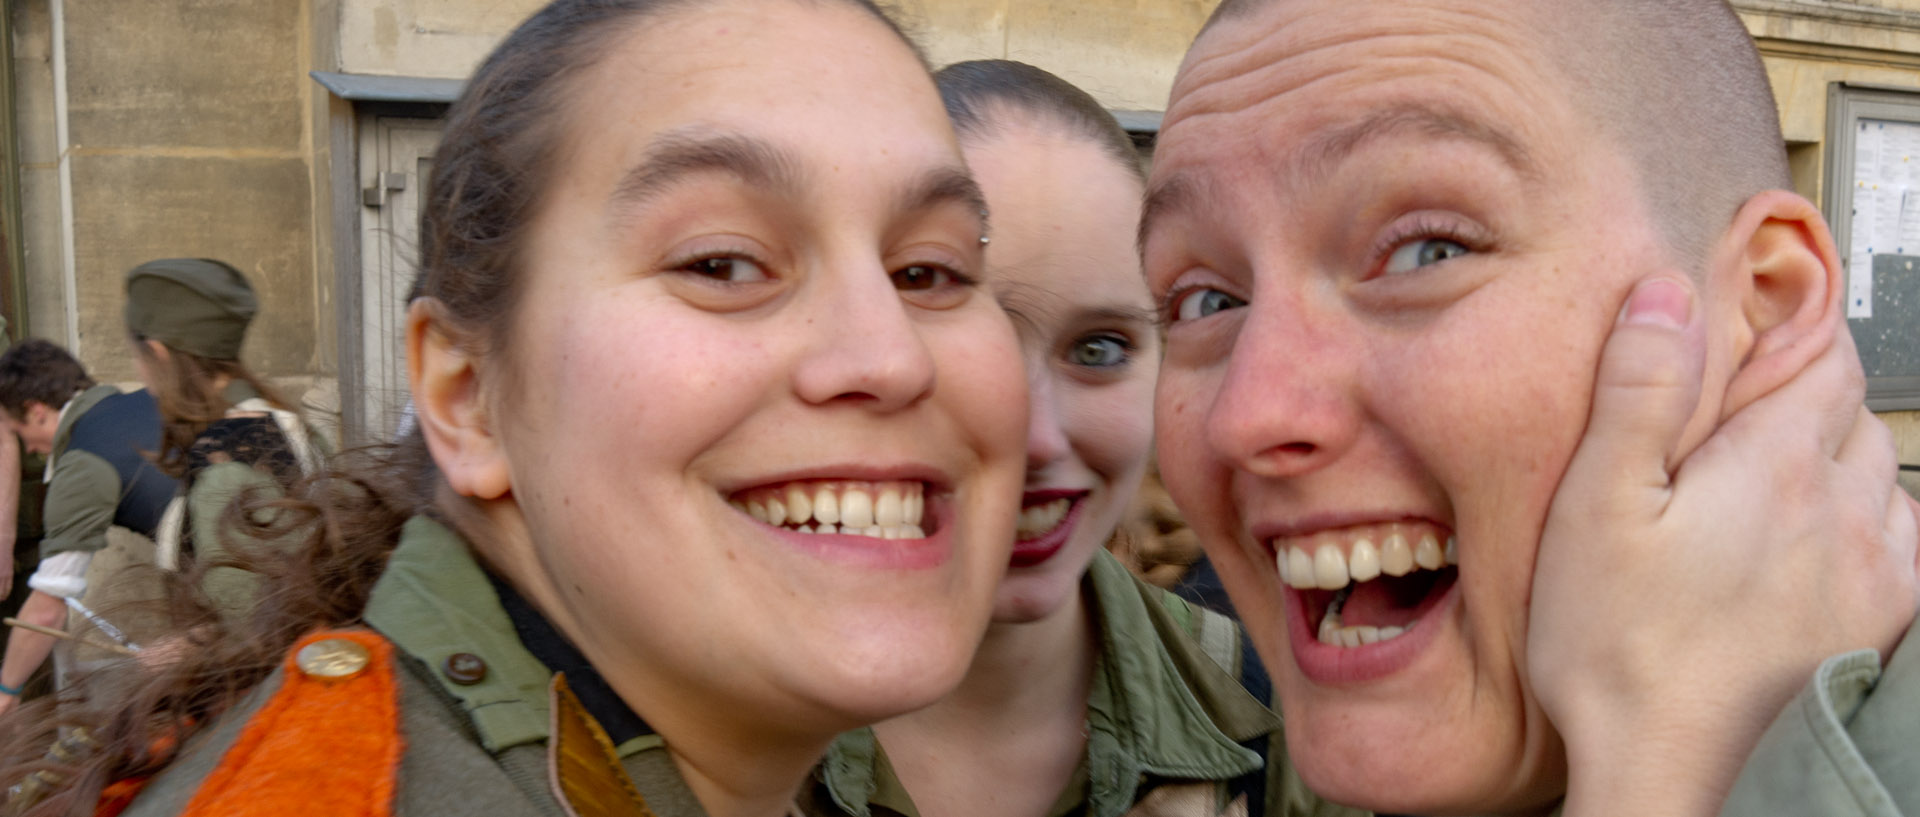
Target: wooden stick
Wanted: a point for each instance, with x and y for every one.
(14, 622)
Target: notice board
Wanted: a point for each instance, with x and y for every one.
(1873, 204)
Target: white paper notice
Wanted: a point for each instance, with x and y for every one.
(1886, 204)
(1859, 285)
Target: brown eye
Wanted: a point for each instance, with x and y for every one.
(728, 268)
(920, 277)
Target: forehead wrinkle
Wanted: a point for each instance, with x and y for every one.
(1284, 58)
(1325, 151)
(677, 155)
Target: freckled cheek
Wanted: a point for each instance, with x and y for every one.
(1186, 461)
(635, 371)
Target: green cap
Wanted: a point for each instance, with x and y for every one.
(196, 305)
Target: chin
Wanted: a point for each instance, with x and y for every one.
(886, 665)
(1386, 775)
(1027, 599)
(889, 687)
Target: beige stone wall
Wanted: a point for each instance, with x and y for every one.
(423, 38)
(39, 153)
(187, 136)
(1122, 51)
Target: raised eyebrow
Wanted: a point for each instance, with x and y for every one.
(675, 156)
(1320, 155)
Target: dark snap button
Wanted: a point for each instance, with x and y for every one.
(465, 669)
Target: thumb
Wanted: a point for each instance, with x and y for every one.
(1647, 386)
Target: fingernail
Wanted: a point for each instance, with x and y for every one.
(1659, 302)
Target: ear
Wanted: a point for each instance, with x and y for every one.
(157, 350)
(450, 405)
(1777, 265)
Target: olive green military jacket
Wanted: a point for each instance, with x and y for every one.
(208, 494)
(1849, 744)
(475, 731)
(85, 489)
(1166, 711)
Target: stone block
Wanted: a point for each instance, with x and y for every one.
(33, 83)
(185, 73)
(1906, 438)
(46, 305)
(1124, 52)
(427, 38)
(950, 31)
(252, 213)
(1800, 88)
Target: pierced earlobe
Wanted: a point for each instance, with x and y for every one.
(450, 405)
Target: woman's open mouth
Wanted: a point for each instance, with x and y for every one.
(1361, 590)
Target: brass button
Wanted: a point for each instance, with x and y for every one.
(332, 659)
(465, 669)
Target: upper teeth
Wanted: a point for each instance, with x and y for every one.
(1329, 562)
(1039, 519)
(883, 510)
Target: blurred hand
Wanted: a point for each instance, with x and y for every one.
(1677, 609)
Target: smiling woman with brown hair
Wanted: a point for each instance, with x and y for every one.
(725, 437)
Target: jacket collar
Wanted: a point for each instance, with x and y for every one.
(433, 602)
(1158, 706)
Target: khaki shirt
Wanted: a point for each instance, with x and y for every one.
(1162, 710)
(1848, 744)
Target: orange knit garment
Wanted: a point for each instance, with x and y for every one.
(318, 747)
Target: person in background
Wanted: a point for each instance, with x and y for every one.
(97, 441)
(225, 430)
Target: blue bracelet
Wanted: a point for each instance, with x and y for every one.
(13, 691)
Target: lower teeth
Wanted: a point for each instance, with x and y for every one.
(1334, 634)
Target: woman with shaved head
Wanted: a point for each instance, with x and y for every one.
(1391, 240)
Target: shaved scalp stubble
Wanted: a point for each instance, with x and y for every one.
(1677, 84)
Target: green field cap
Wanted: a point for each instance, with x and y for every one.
(196, 305)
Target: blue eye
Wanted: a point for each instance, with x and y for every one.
(730, 269)
(1100, 351)
(1202, 302)
(1423, 252)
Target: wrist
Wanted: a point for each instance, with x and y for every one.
(11, 692)
(1654, 762)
